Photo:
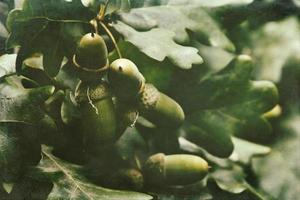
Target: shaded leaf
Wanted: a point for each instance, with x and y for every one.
(23, 104)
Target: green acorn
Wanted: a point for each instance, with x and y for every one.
(90, 59)
(125, 78)
(178, 169)
(98, 117)
(160, 109)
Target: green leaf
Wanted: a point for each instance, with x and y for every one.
(158, 44)
(278, 173)
(69, 183)
(230, 184)
(273, 47)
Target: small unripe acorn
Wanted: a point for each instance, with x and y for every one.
(127, 179)
(90, 58)
(98, 118)
(160, 109)
(125, 78)
(178, 169)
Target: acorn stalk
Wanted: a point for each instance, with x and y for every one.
(177, 169)
(160, 109)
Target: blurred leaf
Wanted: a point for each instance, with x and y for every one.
(244, 151)
(158, 44)
(274, 45)
(211, 3)
(69, 183)
(215, 58)
(216, 113)
(278, 173)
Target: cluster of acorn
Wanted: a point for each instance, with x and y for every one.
(109, 106)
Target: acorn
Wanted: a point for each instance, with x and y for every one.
(177, 169)
(160, 109)
(90, 58)
(125, 78)
(98, 117)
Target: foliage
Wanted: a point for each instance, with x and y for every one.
(215, 58)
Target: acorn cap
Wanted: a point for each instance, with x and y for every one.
(125, 78)
(96, 90)
(159, 108)
(154, 169)
(91, 52)
(128, 179)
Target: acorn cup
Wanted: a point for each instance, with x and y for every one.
(90, 58)
(98, 117)
(174, 170)
(160, 109)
